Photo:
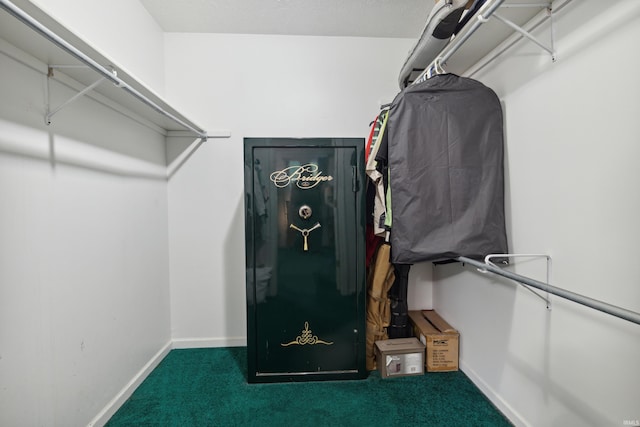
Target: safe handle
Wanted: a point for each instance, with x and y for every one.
(305, 233)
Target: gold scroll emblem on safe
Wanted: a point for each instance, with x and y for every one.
(306, 337)
(305, 176)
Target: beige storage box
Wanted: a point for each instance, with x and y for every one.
(400, 357)
(440, 338)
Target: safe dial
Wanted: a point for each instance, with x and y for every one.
(305, 212)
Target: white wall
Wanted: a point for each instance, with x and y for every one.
(572, 155)
(122, 30)
(87, 263)
(84, 281)
(256, 86)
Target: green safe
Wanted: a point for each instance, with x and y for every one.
(305, 262)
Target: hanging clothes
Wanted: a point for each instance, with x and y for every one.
(373, 241)
(446, 174)
(380, 278)
(376, 176)
(382, 165)
(376, 125)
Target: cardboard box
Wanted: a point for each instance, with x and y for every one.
(440, 339)
(400, 357)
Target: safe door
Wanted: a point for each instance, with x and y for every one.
(304, 228)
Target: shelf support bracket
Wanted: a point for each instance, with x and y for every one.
(51, 112)
(546, 298)
(528, 35)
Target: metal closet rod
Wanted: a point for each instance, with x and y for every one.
(613, 310)
(108, 74)
(458, 41)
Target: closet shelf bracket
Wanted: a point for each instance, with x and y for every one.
(528, 35)
(545, 297)
(483, 16)
(77, 48)
(595, 304)
(51, 112)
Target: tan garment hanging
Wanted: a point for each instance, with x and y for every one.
(380, 277)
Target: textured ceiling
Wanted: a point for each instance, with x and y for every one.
(357, 18)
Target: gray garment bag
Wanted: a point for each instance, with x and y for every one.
(445, 158)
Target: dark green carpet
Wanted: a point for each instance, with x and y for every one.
(208, 387)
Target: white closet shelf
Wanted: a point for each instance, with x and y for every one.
(33, 49)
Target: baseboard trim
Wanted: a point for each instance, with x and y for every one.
(504, 407)
(182, 343)
(115, 403)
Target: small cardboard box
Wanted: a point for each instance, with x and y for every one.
(440, 339)
(400, 357)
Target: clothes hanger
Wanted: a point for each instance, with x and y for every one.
(437, 66)
(435, 69)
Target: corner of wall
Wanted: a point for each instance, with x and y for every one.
(125, 393)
